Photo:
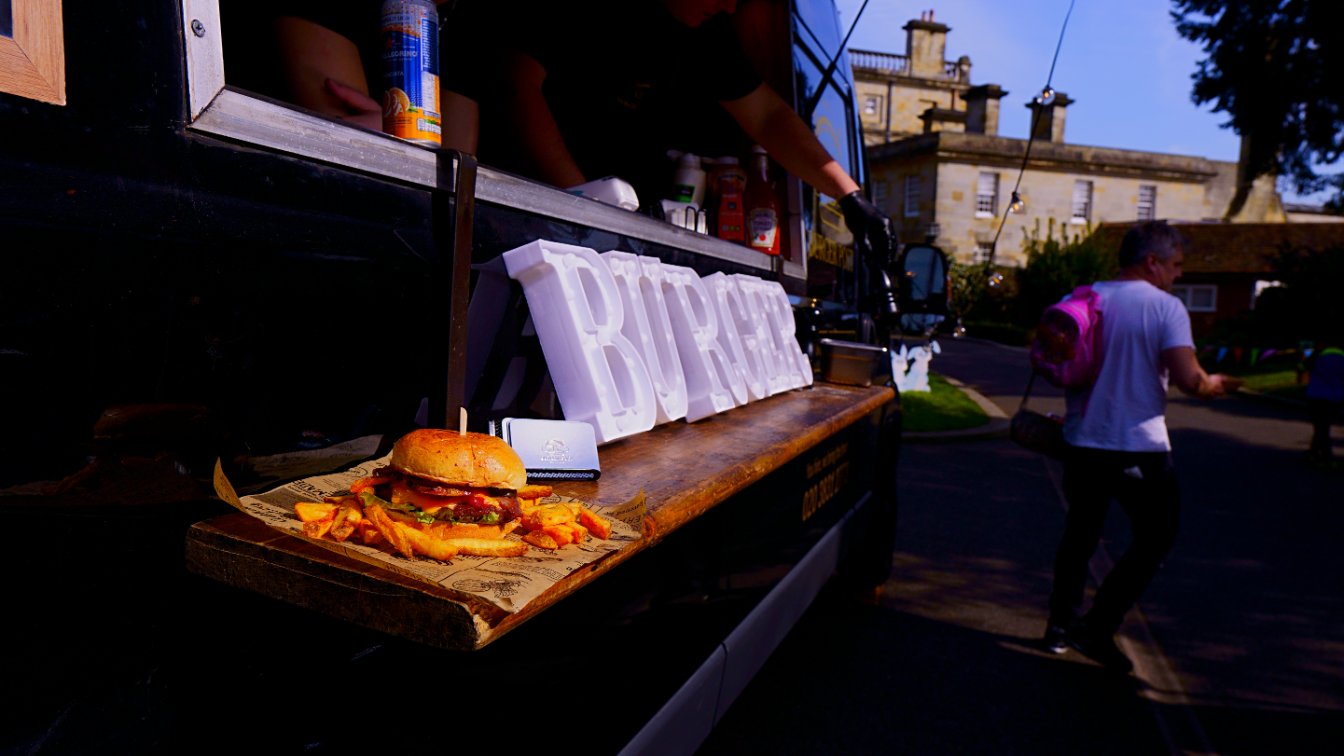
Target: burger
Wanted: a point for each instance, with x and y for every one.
(444, 493)
(443, 476)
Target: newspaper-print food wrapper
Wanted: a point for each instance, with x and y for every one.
(508, 583)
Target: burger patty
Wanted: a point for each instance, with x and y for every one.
(456, 504)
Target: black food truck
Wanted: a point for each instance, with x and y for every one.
(209, 293)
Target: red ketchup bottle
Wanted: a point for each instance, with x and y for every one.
(762, 205)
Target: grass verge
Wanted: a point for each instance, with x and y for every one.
(943, 407)
(1272, 380)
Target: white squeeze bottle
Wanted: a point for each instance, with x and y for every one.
(688, 182)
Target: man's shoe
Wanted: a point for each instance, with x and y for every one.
(1102, 650)
(1056, 638)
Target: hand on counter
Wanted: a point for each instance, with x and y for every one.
(357, 107)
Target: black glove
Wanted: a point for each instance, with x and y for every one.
(868, 224)
(875, 237)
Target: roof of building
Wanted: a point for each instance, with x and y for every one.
(1242, 247)
(986, 149)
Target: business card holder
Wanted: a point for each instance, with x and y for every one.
(552, 449)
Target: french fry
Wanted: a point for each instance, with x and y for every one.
(465, 530)
(348, 517)
(424, 543)
(369, 534)
(310, 511)
(338, 524)
(547, 514)
(541, 540)
(488, 547)
(532, 491)
(580, 532)
(319, 528)
(388, 528)
(560, 533)
(596, 524)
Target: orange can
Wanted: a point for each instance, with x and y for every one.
(410, 34)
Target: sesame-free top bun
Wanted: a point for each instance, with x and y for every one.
(446, 456)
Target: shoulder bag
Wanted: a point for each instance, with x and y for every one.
(1037, 432)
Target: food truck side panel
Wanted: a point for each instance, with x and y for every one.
(172, 296)
(152, 266)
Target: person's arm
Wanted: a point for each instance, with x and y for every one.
(769, 120)
(322, 71)
(774, 125)
(536, 133)
(461, 122)
(1185, 371)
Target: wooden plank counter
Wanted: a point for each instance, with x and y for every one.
(684, 470)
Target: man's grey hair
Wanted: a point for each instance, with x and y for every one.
(1151, 238)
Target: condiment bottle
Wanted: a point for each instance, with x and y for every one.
(688, 182)
(762, 205)
(730, 216)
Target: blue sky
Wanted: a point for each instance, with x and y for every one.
(1122, 62)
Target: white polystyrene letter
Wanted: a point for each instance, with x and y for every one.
(598, 374)
(737, 333)
(646, 325)
(712, 384)
(785, 330)
(777, 371)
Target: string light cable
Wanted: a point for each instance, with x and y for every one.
(1044, 100)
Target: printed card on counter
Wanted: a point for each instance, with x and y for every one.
(553, 449)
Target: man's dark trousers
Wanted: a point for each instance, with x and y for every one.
(1144, 483)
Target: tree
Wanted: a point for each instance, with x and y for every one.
(1055, 266)
(1313, 308)
(1274, 67)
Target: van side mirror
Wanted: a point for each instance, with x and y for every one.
(924, 288)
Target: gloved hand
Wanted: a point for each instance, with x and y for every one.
(872, 230)
(868, 224)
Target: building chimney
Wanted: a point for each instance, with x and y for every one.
(982, 109)
(943, 119)
(926, 46)
(1049, 121)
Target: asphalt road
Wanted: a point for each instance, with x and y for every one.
(1238, 644)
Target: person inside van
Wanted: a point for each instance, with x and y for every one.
(325, 57)
(539, 89)
(570, 100)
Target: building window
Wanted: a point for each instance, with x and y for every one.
(880, 192)
(1147, 202)
(912, 196)
(872, 105)
(1082, 202)
(1197, 297)
(987, 195)
(983, 251)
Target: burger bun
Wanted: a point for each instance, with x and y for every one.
(476, 460)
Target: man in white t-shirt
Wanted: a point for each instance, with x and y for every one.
(1118, 444)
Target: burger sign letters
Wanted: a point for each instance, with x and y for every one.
(632, 342)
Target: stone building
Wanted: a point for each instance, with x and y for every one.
(943, 173)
